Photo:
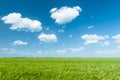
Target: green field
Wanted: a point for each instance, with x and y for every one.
(59, 69)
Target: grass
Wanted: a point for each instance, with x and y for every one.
(59, 69)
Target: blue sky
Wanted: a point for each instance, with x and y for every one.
(54, 28)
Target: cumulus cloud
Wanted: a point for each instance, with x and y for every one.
(19, 23)
(19, 42)
(47, 37)
(65, 14)
(117, 38)
(93, 38)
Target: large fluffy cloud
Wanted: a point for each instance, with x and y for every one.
(117, 38)
(65, 14)
(19, 42)
(19, 23)
(47, 37)
(92, 38)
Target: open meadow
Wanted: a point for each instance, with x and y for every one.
(59, 69)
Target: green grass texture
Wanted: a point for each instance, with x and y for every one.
(59, 69)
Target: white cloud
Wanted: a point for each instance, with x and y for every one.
(3, 49)
(61, 51)
(60, 31)
(65, 14)
(39, 51)
(76, 50)
(117, 38)
(90, 27)
(19, 23)
(105, 43)
(19, 42)
(70, 50)
(108, 51)
(7, 50)
(93, 38)
(70, 36)
(47, 37)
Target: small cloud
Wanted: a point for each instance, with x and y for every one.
(61, 51)
(19, 42)
(70, 50)
(47, 28)
(92, 38)
(113, 51)
(105, 43)
(3, 49)
(65, 14)
(70, 36)
(90, 27)
(117, 38)
(7, 50)
(39, 51)
(76, 50)
(47, 37)
(19, 23)
(60, 31)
